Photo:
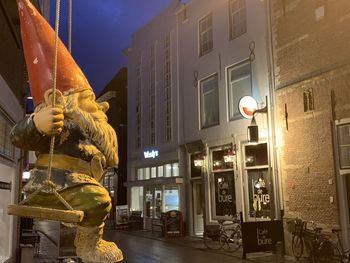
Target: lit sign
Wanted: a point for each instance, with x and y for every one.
(247, 106)
(150, 154)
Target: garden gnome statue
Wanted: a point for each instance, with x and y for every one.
(85, 144)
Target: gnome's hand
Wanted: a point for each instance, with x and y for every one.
(49, 120)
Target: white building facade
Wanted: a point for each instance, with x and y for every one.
(187, 147)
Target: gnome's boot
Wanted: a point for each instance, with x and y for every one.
(91, 248)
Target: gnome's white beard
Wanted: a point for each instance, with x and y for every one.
(93, 125)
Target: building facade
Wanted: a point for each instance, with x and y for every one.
(188, 148)
(312, 74)
(12, 109)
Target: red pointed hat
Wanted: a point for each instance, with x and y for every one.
(38, 39)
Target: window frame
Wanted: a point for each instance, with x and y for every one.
(236, 115)
(232, 23)
(201, 106)
(7, 149)
(208, 32)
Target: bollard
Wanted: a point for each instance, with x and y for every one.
(279, 249)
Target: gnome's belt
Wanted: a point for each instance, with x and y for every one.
(65, 162)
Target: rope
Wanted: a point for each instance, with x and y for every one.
(70, 27)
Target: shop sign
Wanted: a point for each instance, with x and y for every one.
(261, 236)
(5, 185)
(247, 106)
(150, 154)
(261, 196)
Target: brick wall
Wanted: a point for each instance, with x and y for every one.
(311, 51)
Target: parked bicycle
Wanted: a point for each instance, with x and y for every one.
(340, 254)
(227, 236)
(297, 237)
(321, 249)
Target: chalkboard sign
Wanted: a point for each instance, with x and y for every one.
(261, 236)
(173, 223)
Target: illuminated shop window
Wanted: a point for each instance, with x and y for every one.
(166, 170)
(137, 198)
(222, 184)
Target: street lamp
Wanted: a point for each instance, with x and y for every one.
(253, 128)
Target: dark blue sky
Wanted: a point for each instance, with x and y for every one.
(101, 30)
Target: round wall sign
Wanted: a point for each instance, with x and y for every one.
(247, 106)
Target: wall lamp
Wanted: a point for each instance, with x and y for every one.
(253, 128)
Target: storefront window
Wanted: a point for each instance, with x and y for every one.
(167, 170)
(219, 161)
(196, 171)
(160, 171)
(225, 197)
(175, 169)
(153, 172)
(146, 173)
(171, 198)
(256, 155)
(260, 189)
(223, 183)
(136, 198)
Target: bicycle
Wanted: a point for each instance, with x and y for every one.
(226, 236)
(321, 249)
(297, 238)
(340, 254)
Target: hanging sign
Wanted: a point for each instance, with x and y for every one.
(247, 106)
(5, 185)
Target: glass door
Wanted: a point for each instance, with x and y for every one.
(198, 207)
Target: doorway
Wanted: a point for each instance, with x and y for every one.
(198, 207)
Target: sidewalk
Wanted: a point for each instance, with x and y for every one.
(197, 243)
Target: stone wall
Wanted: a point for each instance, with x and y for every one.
(310, 43)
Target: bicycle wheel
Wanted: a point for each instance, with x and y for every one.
(297, 246)
(211, 241)
(233, 241)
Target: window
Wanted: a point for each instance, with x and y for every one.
(209, 101)
(152, 94)
(166, 170)
(344, 145)
(259, 188)
(167, 89)
(138, 102)
(239, 85)
(237, 18)
(137, 198)
(222, 185)
(6, 147)
(206, 35)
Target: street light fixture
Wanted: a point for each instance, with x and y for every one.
(253, 128)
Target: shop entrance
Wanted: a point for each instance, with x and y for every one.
(198, 207)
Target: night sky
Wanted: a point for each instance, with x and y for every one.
(101, 30)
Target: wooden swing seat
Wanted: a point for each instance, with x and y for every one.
(66, 216)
